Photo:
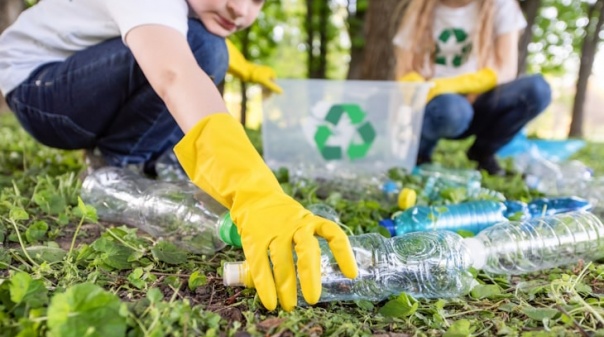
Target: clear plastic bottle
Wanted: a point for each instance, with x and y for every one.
(472, 216)
(537, 244)
(546, 176)
(178, 212)
(423, 264)
(438, 179)
(436, 264)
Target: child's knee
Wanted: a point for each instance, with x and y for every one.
(537, 91)
(449, 115)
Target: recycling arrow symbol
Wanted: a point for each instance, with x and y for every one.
(357, 134)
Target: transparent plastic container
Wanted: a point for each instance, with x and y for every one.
(521, 247)
(336, 126)
(471, 216)
(423, 264)
(178, 212)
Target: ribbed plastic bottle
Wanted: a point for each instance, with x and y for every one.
(423, 264)
(545, 206)
(471, 216)
(178, 212)
(546, 176)
(435, 264)
(438, 179)
(521, 247)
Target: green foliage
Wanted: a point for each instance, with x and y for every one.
(64, 274)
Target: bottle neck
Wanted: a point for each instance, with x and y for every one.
(477, 250)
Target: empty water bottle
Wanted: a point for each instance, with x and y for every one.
(537, 244)
(429, 264)
(551, 206)
(471, 216)
(178, 212)
(546, 176)
(518, 210)
(439, 179)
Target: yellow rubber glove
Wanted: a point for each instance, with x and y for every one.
(412, 77)
(219, 158)
(250, 72)
(472, 83)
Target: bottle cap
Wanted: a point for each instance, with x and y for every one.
(407, 198)
(477, 252)
(236, 274)
(228, 231)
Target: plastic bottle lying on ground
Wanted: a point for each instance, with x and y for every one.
(475, 216)
(436, 264)
(178, 212)
(471, 216)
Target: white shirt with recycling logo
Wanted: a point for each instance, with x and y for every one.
(454, 30)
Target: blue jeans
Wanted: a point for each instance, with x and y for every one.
(100, 98)
(494, 118)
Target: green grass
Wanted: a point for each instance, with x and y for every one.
(64, 274)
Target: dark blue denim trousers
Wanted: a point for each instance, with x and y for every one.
(99, 98)
(494, 118)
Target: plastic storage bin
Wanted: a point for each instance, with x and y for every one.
(328, 127)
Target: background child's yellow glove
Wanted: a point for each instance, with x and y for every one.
(219, 158)
(250, 72)
(472, 83)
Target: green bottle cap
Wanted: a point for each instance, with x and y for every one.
(228, 231)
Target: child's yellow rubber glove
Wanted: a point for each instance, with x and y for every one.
(250, 72)
(472, 83)
(219, 158)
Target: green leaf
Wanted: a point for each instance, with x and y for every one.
(18, 213)
(539, 314)
(490, 291)
(23, 289)
(155, 295)
(86, 310)
(197, 279)
(87, 212)
(114, 254)
(459, 328)
(402, 306)
(46, 254)
(36, 231)
(50, 201)
(167, 252)
(135, 278)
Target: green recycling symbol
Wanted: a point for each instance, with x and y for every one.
(453, 41)
(361, 131)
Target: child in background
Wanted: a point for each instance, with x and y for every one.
(125, 76)
(469, 49)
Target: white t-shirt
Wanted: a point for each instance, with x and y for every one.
(53, 30)
(454, 29)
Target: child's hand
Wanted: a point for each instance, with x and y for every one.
(219, 158)
(271, 226)
(250, 72)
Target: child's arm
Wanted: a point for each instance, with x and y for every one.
(506, 56)
(219, 158)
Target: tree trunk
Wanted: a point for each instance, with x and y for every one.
(317, 22)
(530, 9)
(588, 53)
(9, 10)
(380, 27)
(245, 50)
(356, 24)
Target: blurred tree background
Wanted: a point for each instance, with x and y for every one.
(351, 39)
